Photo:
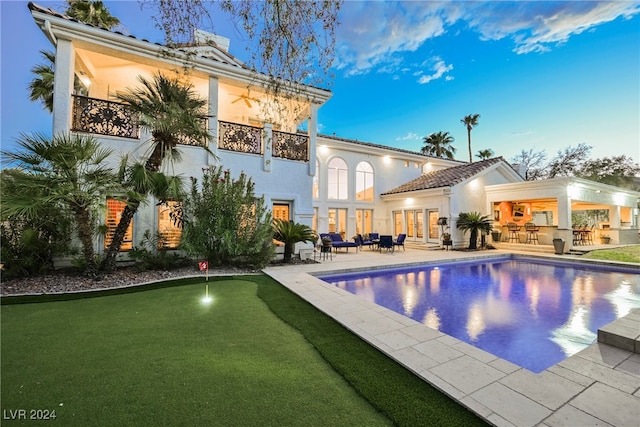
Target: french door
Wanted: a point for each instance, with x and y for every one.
(415, 225)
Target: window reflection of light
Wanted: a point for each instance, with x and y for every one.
(574, 335)
(431, 319)
(505, 282)
(583, 292)
(475, 322)
(623, 299)
(533, 293)
(409, 300)
(434, 281)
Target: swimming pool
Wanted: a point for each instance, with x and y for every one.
(530, 312)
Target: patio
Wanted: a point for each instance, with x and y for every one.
(598, 386)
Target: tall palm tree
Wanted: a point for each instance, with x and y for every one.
(172, 112)
(439, 145)
(68, 171)
(474, 222)
(91, 12)
(470, 122)
(485, 154)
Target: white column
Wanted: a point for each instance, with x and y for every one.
(614, 216)
(313, 138)
(63, 86)
(213, 119)
(565, 231)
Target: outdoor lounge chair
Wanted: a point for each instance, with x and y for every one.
(339, 243)
(400, 241)
(386, 242)
(362, 242)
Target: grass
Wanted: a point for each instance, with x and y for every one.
(624, 254)
(161, 357)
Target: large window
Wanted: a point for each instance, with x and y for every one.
(338, 221)
(364, 182)
(114, 212)
(364, 221)
(169, 232)
(314, 221)
(337, 179)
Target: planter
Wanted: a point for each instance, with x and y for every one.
(605, 240)
(558, 246)
(496, 236)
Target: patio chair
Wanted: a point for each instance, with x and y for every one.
(400, 241)
(514, 231)
(362, 242)
(587, 235)
(386, 242)
(532, 233)
(339, 243)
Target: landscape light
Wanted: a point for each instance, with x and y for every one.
(207, 299)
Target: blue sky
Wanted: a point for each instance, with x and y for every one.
(542, 75)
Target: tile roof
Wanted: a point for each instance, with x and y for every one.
(385, 147)
(446, 177)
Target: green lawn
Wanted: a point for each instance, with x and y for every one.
(624, 254)
(161, 357)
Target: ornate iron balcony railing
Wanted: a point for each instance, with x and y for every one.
(103, 117)
(242, 138)
(292, 146)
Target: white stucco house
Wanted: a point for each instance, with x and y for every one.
(330, 183)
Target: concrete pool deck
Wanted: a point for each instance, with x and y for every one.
(599, 386)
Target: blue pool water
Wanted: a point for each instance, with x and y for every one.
(529, 312)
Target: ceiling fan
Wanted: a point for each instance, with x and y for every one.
(246, 98)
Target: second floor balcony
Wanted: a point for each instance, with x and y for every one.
(102, 117)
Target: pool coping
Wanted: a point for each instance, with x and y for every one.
(598, 386)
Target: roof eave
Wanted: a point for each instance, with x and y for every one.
(59, 28)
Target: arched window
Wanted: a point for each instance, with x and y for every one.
(316, 182)
(338, 177)
(364, 182)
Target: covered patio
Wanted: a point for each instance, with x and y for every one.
(582, 213)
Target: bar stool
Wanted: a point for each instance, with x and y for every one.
(514, 229)
(532, 233)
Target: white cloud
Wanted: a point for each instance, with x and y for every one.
(410, 136)
(439, 69)
(374, 35)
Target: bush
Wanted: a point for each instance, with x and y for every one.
(150, 256)
(225, 222)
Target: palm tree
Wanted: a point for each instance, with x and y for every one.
(68, 171)
(439, 145)
(290, 233)
(474, 222)
(41, 87)
(470, 121)
(485, 154)
(172, 112)
(91, 12)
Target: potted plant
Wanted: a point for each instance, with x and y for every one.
(605, 239)
(290, 233)
(446, 239)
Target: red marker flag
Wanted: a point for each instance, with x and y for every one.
(204, 265)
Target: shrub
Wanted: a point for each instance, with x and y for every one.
(225, 222)
(151, 256)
